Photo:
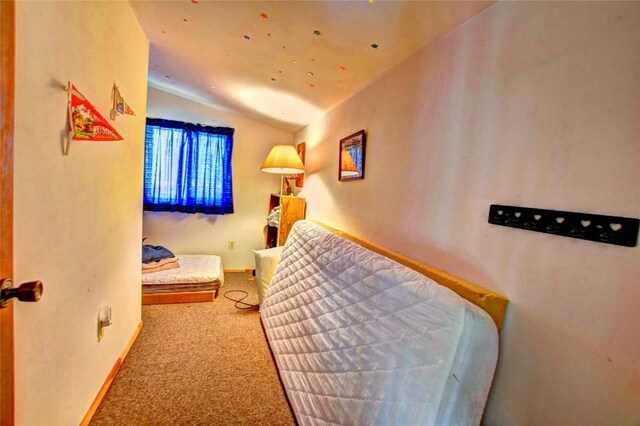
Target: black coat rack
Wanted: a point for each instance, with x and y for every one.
(621, 231)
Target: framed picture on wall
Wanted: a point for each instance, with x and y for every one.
(301, 148)
(351, 158)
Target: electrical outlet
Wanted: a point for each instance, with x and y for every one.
(100, 330)
(104, 320)
(232, 245)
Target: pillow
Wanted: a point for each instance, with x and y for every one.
(266, 262)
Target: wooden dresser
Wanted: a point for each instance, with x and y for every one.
(291, 210)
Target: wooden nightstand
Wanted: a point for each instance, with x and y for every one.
(291, 210)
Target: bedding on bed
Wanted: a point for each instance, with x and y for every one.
(174, 264)
(361, 339)
(158, 263)
(153, 253)
(196, 273)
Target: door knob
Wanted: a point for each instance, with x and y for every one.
(26, 292)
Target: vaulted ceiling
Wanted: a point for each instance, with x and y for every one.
(284, 63)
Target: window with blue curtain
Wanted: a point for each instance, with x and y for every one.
(187, 167)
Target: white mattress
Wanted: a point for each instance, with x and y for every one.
(360, 339)
(194, 269)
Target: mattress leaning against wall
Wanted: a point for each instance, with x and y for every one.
(361, 339)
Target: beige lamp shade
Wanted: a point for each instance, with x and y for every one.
(284, 160)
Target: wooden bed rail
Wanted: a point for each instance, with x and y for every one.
(493, 303)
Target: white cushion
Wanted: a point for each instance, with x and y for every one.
(266, 263)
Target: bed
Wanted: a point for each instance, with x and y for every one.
(362, 338)
(197, 280)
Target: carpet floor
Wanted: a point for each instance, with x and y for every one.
(198, 364)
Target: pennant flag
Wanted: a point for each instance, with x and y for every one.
(119, 104)
(128, 110)
(85, 122)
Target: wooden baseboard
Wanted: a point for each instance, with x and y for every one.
(184, 297)
(112, 375)
(239, 270)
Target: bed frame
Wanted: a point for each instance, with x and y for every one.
(184, 297)
(493, 303)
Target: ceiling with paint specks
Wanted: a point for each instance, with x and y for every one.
(285, 63)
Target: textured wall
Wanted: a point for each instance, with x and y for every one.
(533, 104)
(210, 234)
(78, 218)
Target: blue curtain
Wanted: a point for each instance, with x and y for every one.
(187, 167)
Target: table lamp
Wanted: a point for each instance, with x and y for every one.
(283, 160)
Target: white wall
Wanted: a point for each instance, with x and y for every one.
(210, 234)
(530, 104)
(78, 218)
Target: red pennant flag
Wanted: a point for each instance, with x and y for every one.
(85, 122)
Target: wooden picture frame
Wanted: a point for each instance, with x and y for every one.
(351, 157)
(302, 150)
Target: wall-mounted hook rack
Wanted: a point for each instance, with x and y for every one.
(621, 231)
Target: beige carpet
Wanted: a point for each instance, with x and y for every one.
(197, 364)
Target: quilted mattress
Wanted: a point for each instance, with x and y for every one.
(196, 273)
(361, 339)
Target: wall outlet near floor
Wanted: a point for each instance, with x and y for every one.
(232, 245)
(104, 320)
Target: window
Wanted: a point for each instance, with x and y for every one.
(187, 168)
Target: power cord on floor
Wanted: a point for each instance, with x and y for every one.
(247, 306)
